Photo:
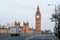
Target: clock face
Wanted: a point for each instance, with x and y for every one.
(37, 16)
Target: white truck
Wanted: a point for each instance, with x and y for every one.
(14, 31)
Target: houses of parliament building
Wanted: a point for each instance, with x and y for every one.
(25, 28)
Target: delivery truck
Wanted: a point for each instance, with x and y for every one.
(14, 31)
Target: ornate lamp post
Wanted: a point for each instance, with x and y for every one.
(55, 18)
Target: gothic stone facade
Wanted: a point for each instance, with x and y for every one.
(25, 28)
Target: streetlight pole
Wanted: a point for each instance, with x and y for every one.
(54, 17)
(53, 14)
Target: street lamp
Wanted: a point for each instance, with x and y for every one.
(53, 5)
(54, 17)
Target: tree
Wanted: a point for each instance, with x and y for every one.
(56, 19)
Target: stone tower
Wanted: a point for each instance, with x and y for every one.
(26, 27)
(38, 21)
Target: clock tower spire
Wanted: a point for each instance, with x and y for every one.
(38, 21)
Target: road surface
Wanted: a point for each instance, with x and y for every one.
(29, 37)
(42, 37)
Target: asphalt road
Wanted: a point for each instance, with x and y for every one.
(21, 37)
(29, 37)
(24, 37)
(42, 37)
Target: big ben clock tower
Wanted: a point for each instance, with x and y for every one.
(38, 21)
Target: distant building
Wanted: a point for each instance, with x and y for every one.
(4, 30)
(25, 28)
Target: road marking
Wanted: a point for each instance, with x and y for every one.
(30, 37)
(24, 35)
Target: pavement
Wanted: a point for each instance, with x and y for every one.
(40, 37)
(29, 37)
(24, 37)
(8, 37)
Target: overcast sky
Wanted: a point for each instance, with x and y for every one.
(25, 10)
